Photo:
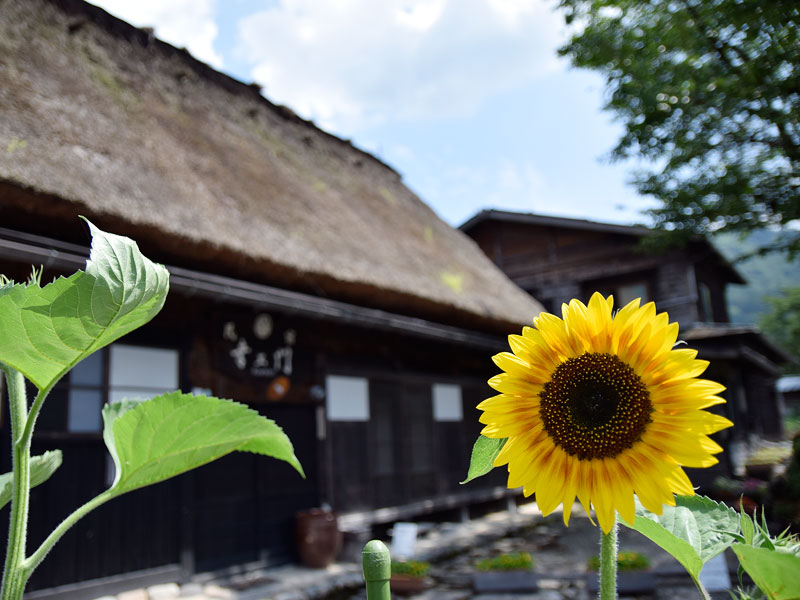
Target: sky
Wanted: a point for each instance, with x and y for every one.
(466, 99)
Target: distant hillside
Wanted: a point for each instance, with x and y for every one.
(766, 275)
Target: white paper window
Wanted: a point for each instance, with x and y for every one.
(86, 395)
(139, 373)
(89, 371)
(632, 291)
(347, 398)
(84, 414)
(447, 402)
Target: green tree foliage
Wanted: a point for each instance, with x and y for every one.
(782, 322)
(766, 275)
(708, 92)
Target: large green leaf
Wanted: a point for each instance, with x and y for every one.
(777, 574)
(484, 452)
(42, 467)
(693, 531)
(170, 434)
(45, 331)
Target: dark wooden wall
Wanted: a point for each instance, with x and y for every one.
(556, 264)
(402, 455)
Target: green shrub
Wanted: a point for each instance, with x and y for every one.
(512, 561)
(626, 561)
(413, 568)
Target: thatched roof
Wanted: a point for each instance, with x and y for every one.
(98, 118)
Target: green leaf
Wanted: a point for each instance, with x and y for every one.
(42, 467)
(747, 527)
(173, 433)
(45, 331)
(775, 573)
(484, 452)
(693, 532)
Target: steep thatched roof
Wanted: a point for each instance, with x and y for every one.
(99, 118)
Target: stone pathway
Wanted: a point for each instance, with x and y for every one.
(560, 556)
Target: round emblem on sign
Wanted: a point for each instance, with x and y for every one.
(262, 326)
(278, 388)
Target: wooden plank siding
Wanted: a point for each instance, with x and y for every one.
(402, 455)
(556, 264)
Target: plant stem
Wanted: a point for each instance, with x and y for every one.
(608, 564)
(701, 587)
(14, 575)
(377, 568)
(38, 556)
(33, 414)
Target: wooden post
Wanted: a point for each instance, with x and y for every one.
(377, 565)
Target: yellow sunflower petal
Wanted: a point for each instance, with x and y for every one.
(549, 494)
(622, 489)
(513, 365)
(600, 322)
(603, 498)
(571, 475)
(678, 364)
(586, 487)
(508, 384)
(554, 332)
(540, 363)
(648, 484)
(621, 332)
(687, 394)
(504, 402)
(694, 421)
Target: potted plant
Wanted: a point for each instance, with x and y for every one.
(507, 572)
(409, 576)
(633, 576)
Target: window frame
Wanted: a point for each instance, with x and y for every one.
(64, 386)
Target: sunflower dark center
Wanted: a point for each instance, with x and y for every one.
(595, 406)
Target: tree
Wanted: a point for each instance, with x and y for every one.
(782, 322)
(709, 94)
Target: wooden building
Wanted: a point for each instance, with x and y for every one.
(306, 280)
(557, 259)
(789, 389)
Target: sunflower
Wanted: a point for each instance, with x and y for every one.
(600, 406)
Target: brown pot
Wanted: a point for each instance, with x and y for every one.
(318, 537)
(407, 584)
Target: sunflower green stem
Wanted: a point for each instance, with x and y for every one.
(608, 563)
(17, 569)
(15, 576)
(701, 587)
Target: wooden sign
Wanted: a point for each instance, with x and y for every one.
(257, 346)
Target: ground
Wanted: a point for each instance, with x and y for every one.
(560, 565)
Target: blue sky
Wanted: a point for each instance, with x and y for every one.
(466, 99)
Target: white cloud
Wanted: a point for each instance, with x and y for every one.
(519, 186)
(350, 64)
(459, 191)
(188, 23)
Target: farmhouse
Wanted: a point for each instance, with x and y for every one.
(306, 280)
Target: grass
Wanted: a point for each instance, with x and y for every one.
(412, 568)
(627, 560)
(512, 561)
